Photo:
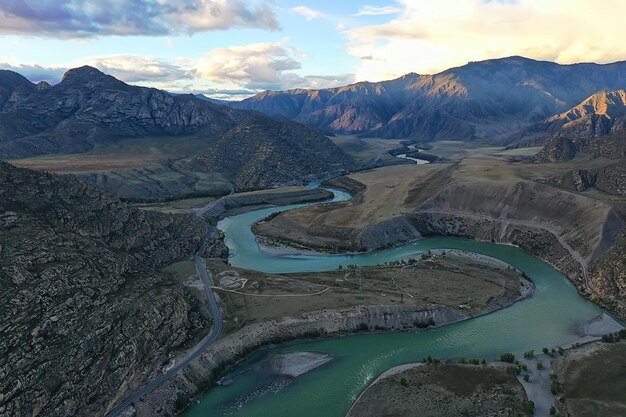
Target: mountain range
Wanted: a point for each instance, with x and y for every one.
(490, 100)
(89, 108)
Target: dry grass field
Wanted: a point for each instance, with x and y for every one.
(446, 280)
(443, 390)
(595, 382)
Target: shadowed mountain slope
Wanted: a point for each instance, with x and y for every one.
(86, 315)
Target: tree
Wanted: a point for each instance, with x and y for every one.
(529, 354)
(526, 377)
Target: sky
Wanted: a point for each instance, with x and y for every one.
(231, 49)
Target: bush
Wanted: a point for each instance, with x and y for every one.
(540, 365)
(529, 354)
(181, 401)
(403, 382)
(552, 410)
(507, 357)
(526, 377)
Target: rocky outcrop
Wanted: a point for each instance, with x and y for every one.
(388, 233)
(610, 179)
(226, 350)
(607, 275)
(535, 240)
(486, 99)
(88, 316)
(262, 152)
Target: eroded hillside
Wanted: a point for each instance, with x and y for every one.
(86, 314)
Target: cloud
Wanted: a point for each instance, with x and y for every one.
(377, 11)
(89, 18)
(307, 12)
(428, 37)
(128, 68)
(257, 65)
(225, 73)
(34, 72)
(140, 69)
(261, 66)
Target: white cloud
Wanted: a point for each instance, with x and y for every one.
(429, 37)
(139, 68)
(257, 65)
(226, 73)
(90, 18)
(377, 10)
(307, 12)
(261, 66)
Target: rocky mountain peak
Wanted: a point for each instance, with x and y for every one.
(42, 85)
(84, 74)
(11, 79)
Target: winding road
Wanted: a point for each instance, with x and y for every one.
(196, 351)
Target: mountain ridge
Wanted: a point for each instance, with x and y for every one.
(480, 100)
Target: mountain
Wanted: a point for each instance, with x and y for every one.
(487, 99)
(88, 107)
(86, 313)
(262, 152)
(597, 126)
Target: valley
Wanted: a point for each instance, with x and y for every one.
(195, 257)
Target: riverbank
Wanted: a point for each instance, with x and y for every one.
(314, 324)
(545, 378)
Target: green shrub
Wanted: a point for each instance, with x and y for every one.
(507, 357)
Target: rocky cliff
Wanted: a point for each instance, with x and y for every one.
(608, 276)
(86, 314)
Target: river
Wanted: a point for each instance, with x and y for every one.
(550, 318)
(416, 160)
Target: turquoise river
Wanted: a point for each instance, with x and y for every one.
(549, 319)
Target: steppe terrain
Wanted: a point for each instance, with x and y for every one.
(480, 192)
(438, 390)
